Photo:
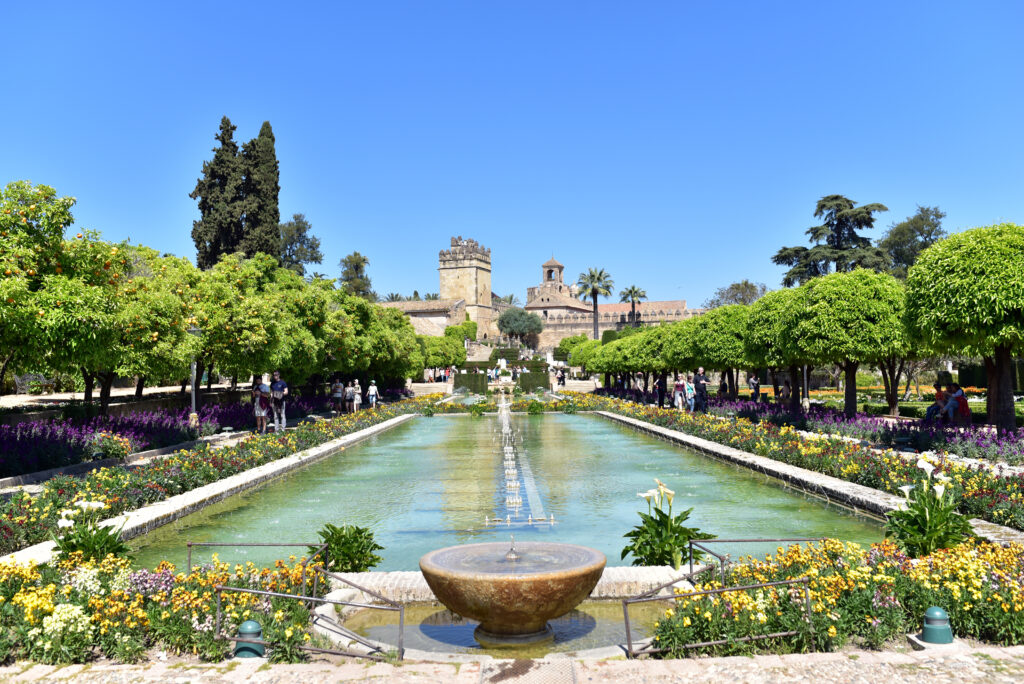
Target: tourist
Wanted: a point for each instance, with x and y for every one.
(679, 392)
(938, 405)
(691, 393)
(754, 383)
(786, 393)
(261, 406)
(723, 387)
(337, 394)
(357, 397)
(371, 393)
(279, 402)
(349, 397)
(700, 384)
(659, 386)
(956, 406)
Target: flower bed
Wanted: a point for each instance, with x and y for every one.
(864, 596)
(27, 520)
(966, 442)
(991, 496)
(41, 445)
(69, 612)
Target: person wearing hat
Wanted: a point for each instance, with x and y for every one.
(371, 394)
(357, 397)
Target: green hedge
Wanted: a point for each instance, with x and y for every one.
(510, 354)
(979, 415)
(974, 375)
(474, 382)
(531, 366)
(531, 381)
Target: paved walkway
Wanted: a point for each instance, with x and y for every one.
(985, 664)
(43, 401)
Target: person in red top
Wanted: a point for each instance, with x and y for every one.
(937, 406)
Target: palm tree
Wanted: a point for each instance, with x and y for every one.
(431, 296)
(633, 295)
(394, 297)
(594, 283)
(511, 300)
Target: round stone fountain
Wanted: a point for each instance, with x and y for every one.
(512, 592)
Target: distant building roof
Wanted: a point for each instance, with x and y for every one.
(552, 262)
(548, 299)
(643, 307)
(425, 305)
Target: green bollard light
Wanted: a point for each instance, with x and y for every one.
(936, 627)
(250, 629)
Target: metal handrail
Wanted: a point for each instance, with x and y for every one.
(320, 549)
(334, 623)
(644, 598)
(723, 558)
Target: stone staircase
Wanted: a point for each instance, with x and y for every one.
(478, 352)
(585, 386)
(420, 389)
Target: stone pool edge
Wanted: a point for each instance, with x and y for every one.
(831, 489)
(148, 518)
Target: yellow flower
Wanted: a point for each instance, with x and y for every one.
(832, 631)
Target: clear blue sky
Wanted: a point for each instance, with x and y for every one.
(676, 144)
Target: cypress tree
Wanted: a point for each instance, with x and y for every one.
(260, 231)
(219, 191)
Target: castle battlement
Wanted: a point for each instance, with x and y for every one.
(465, 249)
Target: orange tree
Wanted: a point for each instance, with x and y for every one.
(965, 294)
(32, 223)
(850, 318)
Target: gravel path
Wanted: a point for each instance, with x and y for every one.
(986, 664)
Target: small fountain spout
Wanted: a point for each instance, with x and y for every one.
(512, 556)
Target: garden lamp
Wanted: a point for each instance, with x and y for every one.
(250, 629)
(936, 627)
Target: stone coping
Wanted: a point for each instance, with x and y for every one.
(147, 518)
(409, 586)
(832, 489)
(89, 466)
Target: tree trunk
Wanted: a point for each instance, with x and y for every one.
(106, 382)
(892, 370)
(90, 381)
(990, 388)
(184, 384)
(234, 382)
(850, 392)
(633, 312)
(906, 390)
(209, 377)
(3, 370)
(1000, 388)
(140, 383)
(795, 381)
(775, 382)
(595, 318)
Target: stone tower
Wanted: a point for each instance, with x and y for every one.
(466, 274)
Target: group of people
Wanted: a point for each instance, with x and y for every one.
(691, 392)
(270, 401)
(439, 374)
(950, 405)
(349, 398)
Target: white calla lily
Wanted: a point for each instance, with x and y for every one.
(927, 467)
(940, 489)
(64, 522)
(906, 490)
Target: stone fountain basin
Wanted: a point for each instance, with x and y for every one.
(512, 598)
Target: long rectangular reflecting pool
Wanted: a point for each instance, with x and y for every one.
(440, 481)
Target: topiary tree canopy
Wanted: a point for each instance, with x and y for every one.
(965, 294)
(768, 340)
(849, 319)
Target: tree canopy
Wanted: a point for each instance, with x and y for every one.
(743, 292)
(965, 294)
(354, 279)
(904, 241)
(519, 323)
(299, 246)
(836, 243)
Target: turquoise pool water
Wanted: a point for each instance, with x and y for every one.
(431, 482)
